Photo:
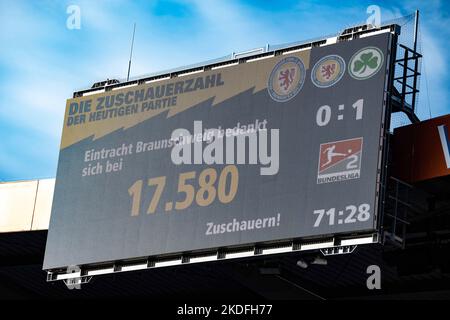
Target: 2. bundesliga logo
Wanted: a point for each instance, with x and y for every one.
(340, 160)
(286, 79)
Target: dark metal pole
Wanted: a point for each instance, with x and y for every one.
(416, 61)
(131, 52)
(416, 30)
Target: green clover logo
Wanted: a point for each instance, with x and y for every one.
(367, 60)
(365, 63)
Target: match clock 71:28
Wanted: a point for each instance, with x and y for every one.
(349, 214)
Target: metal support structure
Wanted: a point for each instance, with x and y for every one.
(338, 250)
(75, 283)
(330, 246)
(404, 99)
(397, 213)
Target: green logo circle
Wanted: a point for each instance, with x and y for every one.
(365, 63)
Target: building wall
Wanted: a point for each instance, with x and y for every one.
(25, 205)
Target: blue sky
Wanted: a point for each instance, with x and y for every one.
(42, 62)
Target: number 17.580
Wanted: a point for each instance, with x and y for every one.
(204, 193)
